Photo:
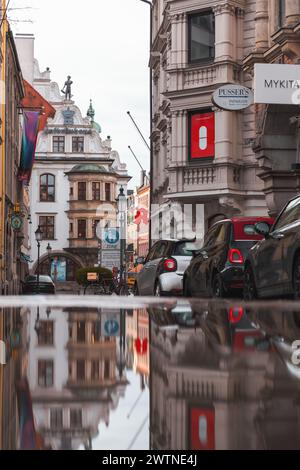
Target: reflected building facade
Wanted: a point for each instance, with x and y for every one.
(72, 376)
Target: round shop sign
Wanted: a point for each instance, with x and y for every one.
(16, 222)
(233, 97)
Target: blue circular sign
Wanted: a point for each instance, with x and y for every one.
(112, 236)
(111, 327)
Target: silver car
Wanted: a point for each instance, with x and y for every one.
(164, 267)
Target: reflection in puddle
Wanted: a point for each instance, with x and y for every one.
(180, 376)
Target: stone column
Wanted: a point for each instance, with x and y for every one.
(225, 27)
(292, 8)
(261, 25)
(174, 33)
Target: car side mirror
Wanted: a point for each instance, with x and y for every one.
(262, 228)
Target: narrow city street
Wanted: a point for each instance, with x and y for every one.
(149, 228)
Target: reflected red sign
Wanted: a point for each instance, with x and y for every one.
(202, 135)
(141, 346)
(202, 429)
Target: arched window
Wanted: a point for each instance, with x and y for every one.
(47, 188)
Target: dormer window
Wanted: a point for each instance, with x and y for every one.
(78, 144)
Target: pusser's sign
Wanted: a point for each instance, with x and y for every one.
(233, 97)
(277, 84)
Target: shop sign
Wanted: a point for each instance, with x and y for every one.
(233, 97)
(277, 84)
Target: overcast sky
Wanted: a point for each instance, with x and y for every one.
(104, 46)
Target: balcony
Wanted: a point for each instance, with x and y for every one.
(204, 75)
(86, 243)
(211, 178)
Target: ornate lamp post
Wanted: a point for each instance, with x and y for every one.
(38, 237)
(122, 211)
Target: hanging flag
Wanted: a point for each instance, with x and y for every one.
(29, 140)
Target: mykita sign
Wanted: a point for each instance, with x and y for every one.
(277, 84)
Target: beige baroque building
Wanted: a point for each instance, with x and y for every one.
(197, 47)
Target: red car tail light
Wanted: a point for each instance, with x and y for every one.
(235, 256)
(170, 265)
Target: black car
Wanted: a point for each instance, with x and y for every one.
(31, 286)
(218, 268)
(272, 268)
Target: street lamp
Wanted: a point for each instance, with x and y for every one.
(38, 237)
(122, 210)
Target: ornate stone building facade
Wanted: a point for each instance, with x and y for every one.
(197, 47)
(274, 37)
(75, 182)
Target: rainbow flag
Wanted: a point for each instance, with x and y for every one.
(29, 140)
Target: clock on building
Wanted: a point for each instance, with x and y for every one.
(16, 223)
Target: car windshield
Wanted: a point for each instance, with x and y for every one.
(187, 248)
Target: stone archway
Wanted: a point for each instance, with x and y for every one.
(67, 282)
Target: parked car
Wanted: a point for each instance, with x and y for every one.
(217, 269)
(272, 268)
(32, 287)
(164, 267)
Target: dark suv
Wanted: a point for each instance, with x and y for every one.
(272, 268)
(218, 268)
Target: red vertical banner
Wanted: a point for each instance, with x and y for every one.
(202, 429)
(202, 135)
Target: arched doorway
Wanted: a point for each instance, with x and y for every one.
(61, 267)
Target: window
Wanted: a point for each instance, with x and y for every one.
(82, 228)
(96, 331)
(71, 228)
(96, 191)
(95, 370)
(80, 369)
(106, 369)
(187, 248)
(81, 332)
(82, 191)
(96, 222)
(202, 135)
(47, 225)
(76, 418)
(58, 144)
(78, 144)
(56, 418)
(161, 250)
(45, 336)
(201, 37)
(71, 192)
(47, 188)
(281, 13)
(290, 214)
(45, 373)
(107, 192)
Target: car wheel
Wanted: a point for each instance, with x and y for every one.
(296, 278)
(218, 290)
(250, 292)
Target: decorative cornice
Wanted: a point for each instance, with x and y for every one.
(224, 8)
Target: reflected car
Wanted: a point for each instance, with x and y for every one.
(31, 286)
(217, 269)
(163, 270)
(272, 268)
